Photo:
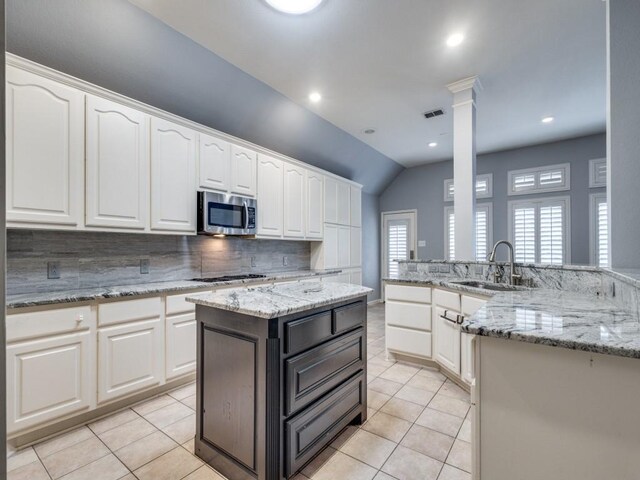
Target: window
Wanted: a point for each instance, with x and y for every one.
(397, 244)
(484, 231)
(484, 187)
(552, 178)
(598, 172)
(539, 230)
(599, 229)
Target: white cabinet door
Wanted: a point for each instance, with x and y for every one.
(243, 171)
(447, 340)
(330, 200)
(214, 161)
(344, 203)
(356, 207)
(49, 378)
(181, 345)
(295, 199)
(344, 277)
(117, 190)
(270, 196)
(355, 256)
(356, 277)
(130, 358)
(466, 357)
(330, 246)
(45, 150)
(344, 246)
(173, 165)
(315, 205)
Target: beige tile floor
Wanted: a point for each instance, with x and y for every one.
(418, 428)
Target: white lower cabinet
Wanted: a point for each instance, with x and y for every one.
(447, 340)
(180, 333)
(408, 320)
(466, 357)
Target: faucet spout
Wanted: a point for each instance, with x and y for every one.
(492, 258)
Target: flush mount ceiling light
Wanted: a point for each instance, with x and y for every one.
(294, 7)
(547, 119)
(369, 131)
(455, 40)
(433, 144)
(315, 97)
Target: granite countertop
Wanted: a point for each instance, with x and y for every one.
(271, 301)
(89, 294)
(578, 321)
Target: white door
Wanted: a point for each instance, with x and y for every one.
(447, 340)
(173, 164)
(315, 205)
(344, 203)
(398, 240)
(181, 345)
(295, 179)
(130, 358)
(117, 190)
(344, 246)
(214, 162)
(243, 171)
(49, 378)
(356, 207)
(330, 200)
(355, 256)
(45, 150)
(270, 196)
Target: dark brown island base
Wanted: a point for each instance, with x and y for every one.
(273, 392)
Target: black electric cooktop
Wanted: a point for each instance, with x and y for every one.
(229, 278)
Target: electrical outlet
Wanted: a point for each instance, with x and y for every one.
(253, 262)
(144, 266)
(53, 270)
(285, 260)
(422, 243)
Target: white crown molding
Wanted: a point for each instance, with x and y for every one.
(50, 73)
(466, 84)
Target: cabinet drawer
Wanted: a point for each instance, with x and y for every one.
(309, 432)
(21, 326)
(408, 315)
(448, 300)
(177, 304)
(410, 342)
(306, 332)
(313, 373)
(128, 311)
(407, 293)
(348, 317)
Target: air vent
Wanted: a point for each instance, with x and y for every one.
(434, 113)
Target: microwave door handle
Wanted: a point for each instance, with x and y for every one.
(246, 215)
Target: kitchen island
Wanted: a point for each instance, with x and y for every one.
(281, 370)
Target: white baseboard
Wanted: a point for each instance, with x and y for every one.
(374, 302)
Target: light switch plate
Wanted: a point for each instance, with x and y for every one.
(422, 243)
(253, 262)
(53, 270)
(285, 261)
(144, 266)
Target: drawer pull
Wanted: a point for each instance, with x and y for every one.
(458, 320)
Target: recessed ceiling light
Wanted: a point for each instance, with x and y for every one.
(433, 144)
(315, 97)
(547, 119)
(294, 7)
(455, 40)
(369, 131)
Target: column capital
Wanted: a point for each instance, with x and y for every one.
(470, 83)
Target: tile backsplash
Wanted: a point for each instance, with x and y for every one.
(95, 259)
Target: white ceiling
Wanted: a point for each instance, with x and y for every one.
(382, 63)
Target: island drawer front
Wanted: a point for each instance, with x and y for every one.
(448, 300)
(408, 293)
(348, 317)
(410, 342)
(310, 375)
(310, 431)
(306, 332)
(408, 315)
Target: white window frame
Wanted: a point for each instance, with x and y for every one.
(594, 200)
(594, 180)
(537, 203)
(537, 172)
(488, 206)
(448, 183)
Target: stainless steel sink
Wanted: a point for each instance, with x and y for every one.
(499, 287)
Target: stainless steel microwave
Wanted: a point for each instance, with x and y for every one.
(222, 214)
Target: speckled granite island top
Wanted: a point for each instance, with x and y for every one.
(177, 286)
(578, 321)
(271, 301)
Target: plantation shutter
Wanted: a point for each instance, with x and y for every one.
(482, 234)
(524, 233)
(552, 234)
(602, 234)
(398, 244)
(452, 235)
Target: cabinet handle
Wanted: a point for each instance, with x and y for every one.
(458, 320)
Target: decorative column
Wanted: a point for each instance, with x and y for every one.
(464, 165)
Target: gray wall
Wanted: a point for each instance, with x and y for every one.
(624, 131)
(422, 188)
(371, 244)
(91, 259)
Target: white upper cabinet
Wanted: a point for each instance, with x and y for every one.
(329, 257)
(243, 171)
(344, 246)
(214, 163)
(356, 247)
(295, 200)
(117, 193)
(356, 207)
(344, 204)
(173, 163)
(315, 203)
(330, 200)
(270, 190)
(45, 150)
